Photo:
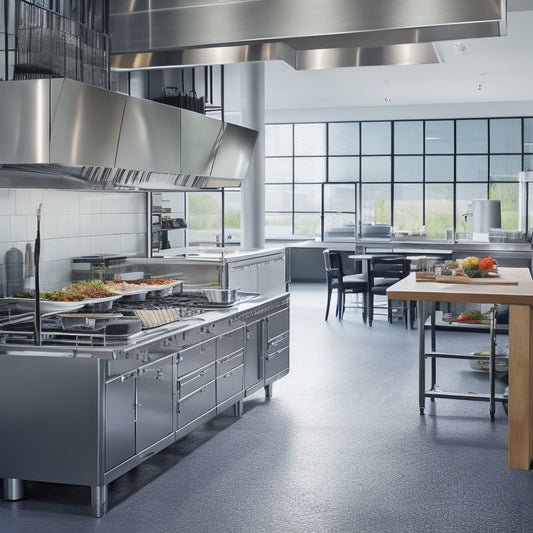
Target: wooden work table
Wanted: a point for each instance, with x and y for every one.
(519, 297)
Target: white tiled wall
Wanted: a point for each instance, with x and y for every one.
(73, 223)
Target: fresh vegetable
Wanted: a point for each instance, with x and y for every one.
(473, 316)
(487, 263)
(470, 263)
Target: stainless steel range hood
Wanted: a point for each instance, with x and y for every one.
(64, 134)
(305, 33)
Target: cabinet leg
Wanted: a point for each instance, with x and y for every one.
(14, 489)
(238, 409)
(268, 391)
(99, 500)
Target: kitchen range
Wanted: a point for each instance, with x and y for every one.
(110, 384)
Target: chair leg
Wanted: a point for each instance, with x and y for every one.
(328, 302)
(370, 308)
(389, 311)
(365, 307)
(341, 306)
(337, 308)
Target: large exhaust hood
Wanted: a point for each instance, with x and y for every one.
(60, 133)
(307, 34)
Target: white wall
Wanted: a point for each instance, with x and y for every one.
(73, 223)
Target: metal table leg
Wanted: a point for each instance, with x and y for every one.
(99, 500)
(14, 489)
(421, 357)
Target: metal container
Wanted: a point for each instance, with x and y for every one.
(218, 295)
(486, 215)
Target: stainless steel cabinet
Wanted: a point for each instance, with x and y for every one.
(277, 351)
(253, 369)
(154, 403)
(139, 410)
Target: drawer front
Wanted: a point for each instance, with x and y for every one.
(229, 384)
(229, 362)
(195, 380)
(277, 323)
(196, 404)
(277, 343)
(276, 363)
(196, 357)
(230, 342)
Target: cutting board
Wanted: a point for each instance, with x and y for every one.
(474, 281)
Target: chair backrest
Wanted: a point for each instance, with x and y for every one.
(389, 267)
(332, 264)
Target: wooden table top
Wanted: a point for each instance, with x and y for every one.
(520, 294)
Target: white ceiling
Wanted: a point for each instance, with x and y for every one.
(489, 70)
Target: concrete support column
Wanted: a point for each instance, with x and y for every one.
(253, 188)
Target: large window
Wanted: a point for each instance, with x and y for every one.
(323, 179)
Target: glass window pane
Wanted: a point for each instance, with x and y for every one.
(439, 168)
(408, 168)
(506, 135)
(505, 167)
(472, 168)
(204, 217)
(408, 137)
(439, 137)
(528, 135)
(307, 197)
(343, 138)
(278, 197)
(337, 225)
(278, 139)
(310, 139)
(375, 137)
(408, 207)
(465, 193)
(307, 224)
(343, 169)
(472, 136)
(376, 203)
(310, 169)
(339, 198)
(278, 169)
(438, 209)
(528, 162)
(278, 225)
(375, 169)
(507, 193)
(232, 216)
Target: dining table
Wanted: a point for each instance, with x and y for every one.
(512, 287)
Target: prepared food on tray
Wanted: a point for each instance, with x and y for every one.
(474, 317)
(155, 281)
(74, 292)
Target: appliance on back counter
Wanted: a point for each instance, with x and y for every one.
(104, 267)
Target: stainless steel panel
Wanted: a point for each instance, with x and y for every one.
(276, 363)
(200, 137)
(24, 113)
(195, 380)
(230, 383)
(230, 342)
(155, 402)
(196, 357)
(49, 406)
(253, 368)
(275, 344)
(161, 26)
(196, 404)
(277, 323)
(234, 152)
(229, 362)
(85, 125)
(149, 137)
(120, 421)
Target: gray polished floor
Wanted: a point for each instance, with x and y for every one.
(340, 447)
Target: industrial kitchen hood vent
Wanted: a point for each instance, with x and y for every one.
(60, 133)
(307, 34)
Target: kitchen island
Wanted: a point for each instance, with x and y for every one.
(519, 297)
(87, 410)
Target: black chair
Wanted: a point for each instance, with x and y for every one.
(385, 271)
(337, 279)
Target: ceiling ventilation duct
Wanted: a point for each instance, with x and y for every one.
(64, 134)
(304, 33)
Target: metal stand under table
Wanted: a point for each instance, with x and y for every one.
(433, 392)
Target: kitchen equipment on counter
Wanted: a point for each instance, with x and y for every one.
(14, 271)
(219, 296)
